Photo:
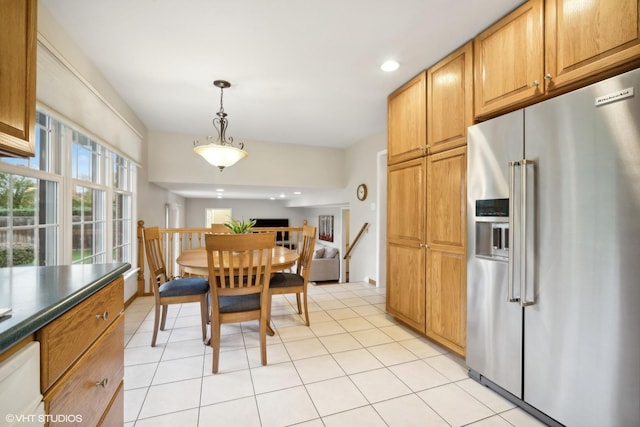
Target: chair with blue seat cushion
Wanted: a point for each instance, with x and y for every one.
(296, 283)
(175, 291)
(239, 273)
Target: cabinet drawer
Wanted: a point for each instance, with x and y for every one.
(89, 386)
(115, 413)
(67, 337)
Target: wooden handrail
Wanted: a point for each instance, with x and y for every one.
(176, 240)
(141, 260)
(355, 241)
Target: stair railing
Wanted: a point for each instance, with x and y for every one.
(356, 240)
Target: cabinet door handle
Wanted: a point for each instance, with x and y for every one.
(103, 316)
(548, 77)
(102, 383)
(535, 83)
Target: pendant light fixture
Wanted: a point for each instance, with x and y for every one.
(221, 152)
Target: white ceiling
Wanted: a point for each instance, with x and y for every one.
(302, 71)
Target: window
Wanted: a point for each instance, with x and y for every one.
(122, 209)
(34, 192)
(88, 225)
(217, 216)
(28, 222)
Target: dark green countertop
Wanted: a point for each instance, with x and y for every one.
(37, 295)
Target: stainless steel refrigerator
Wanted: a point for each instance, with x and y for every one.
(553, 278)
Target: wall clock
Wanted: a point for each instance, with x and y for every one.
(361, 192)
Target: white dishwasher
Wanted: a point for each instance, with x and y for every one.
(20, 399)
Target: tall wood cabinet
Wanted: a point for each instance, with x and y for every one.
(426, 264)
(406, 222)
(446, 248)
(407, 121)
(17, 77)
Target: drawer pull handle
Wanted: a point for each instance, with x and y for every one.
(102, 383)
(103, 316)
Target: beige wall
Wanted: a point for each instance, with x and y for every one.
(171, 159)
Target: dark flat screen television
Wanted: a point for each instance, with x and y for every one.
(274, 222)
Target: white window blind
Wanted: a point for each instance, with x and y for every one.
(61, 89)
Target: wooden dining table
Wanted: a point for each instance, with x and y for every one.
(194, 261)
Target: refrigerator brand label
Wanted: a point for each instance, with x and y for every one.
(616, 96)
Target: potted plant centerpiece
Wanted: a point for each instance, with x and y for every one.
(240, 226)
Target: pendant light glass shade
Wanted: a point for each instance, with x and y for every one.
(221, 152)
(219, 155)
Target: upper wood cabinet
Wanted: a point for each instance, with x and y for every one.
(584, 38)
(542, 49)
(17, 77)
(407, 121)
(509, 60)
(450, 100)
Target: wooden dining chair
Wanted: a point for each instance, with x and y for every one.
(296, 283)
(168, 291)
(239, 273)
(220, 229)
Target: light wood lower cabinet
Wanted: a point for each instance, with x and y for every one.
(406, 220)
(426, 246)
(114, 415)
(446, 280)
(67, 337)
(406, 284)
(82, 361)
(447, 299)
(87, 389)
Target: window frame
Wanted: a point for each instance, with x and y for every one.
(59, 138)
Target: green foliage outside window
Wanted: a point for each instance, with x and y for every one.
(20, 192)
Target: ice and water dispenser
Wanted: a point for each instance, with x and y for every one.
(492, 229)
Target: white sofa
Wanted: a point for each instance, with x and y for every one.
(325, 265)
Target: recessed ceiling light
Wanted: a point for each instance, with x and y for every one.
(219, 189)
(282, 196)
(390, 65)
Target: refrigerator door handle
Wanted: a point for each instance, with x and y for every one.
(512, 248)
(524, 201)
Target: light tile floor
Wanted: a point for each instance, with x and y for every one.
(354, 366)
